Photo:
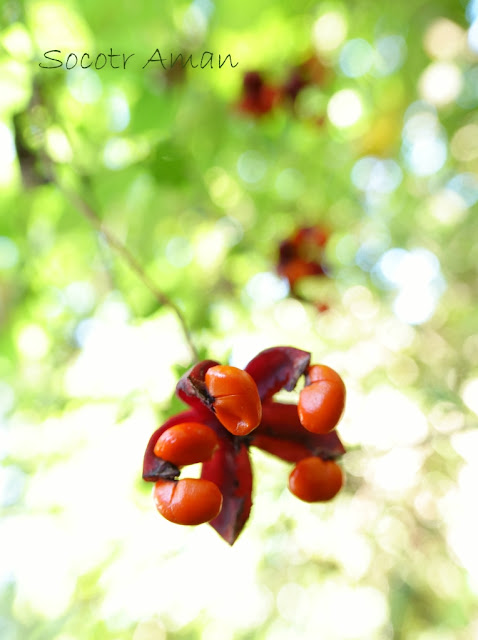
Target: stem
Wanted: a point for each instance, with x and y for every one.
(87, 212)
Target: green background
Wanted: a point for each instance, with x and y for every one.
(202, 195)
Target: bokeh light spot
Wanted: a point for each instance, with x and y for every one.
(329, 31)
(444, 39)
(345, 108)
(251, 166)
(390, 53)
(441, 83)
(8, 253)
(356, 58)
(33, 342)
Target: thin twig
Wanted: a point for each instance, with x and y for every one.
(86, 210)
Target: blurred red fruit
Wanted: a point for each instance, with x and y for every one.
(258, 98)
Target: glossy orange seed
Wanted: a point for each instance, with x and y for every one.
(315, 480)
(186, 443)
(319, 372)
(322, 402)
(236, 399)
(188, 501)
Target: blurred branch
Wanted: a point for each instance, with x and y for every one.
(88, 212)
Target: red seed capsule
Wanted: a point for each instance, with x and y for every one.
(186, 443)
(315, 480)
(322, 402)
(188, 501)
(282, 448)
(236, 399)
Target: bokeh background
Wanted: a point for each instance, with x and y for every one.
(381, 150)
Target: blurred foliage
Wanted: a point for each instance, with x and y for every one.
(383, 154)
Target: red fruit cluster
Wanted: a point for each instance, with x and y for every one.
(260, 97)
(231, 410)
(310, 72)
(301, 256)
